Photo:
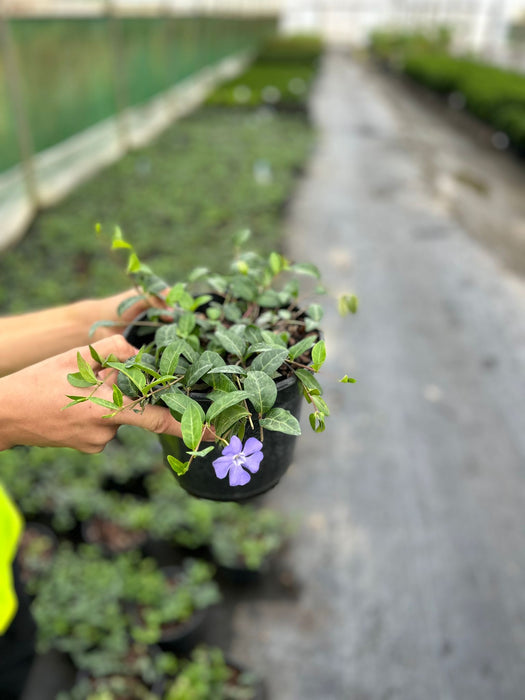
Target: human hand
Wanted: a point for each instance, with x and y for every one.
(32, 402)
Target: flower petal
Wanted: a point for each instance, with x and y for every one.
(252, 445)
(238, 477)
(234, 447)
(222, 466)
(252, 462)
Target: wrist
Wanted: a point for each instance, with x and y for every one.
(8, 415)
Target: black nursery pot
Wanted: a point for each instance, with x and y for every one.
(200, 479)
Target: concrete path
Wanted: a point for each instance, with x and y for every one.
(410, 561)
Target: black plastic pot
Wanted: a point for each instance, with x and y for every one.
(200, 479)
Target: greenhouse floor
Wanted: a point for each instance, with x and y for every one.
(406, 578)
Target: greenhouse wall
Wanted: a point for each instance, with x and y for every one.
(77, 92)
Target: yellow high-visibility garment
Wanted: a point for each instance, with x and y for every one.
(11, 525)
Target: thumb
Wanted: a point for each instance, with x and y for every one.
(156, 419)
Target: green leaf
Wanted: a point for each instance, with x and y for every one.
(231, 342)
(135, 375)
(165, 335)
(282, 421)
(103, 402)
(310, 325)
(220, 382)
(76, 380)
(269, 298)
(179, 296)
(252, 334)
(223, 401)
(309, 382)
(277, 263)
(218, 283)
(103, 324)
(301, 347)
(318, 355)
(118, 398)
(347, 303)
(315, 312)
(178, 467)
(228, 369)
(307, 269)
(170, 357)
(191, 425)
(231, 312)
(201, 301)
(213, 313)
(178, 401)
(197, 273)
(241, 237)
(261, 390)
(317, 421)
(202, 453)
(273, 339)
(118, 240)
(86, 371)
(75, 400)
(320, 404)
(244, 288)
(128, 303)
(227, 418)
(186, 324)
(347, 380)
(269, 361)
(206, 362)
(95, 355)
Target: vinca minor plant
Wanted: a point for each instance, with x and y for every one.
(230, 337)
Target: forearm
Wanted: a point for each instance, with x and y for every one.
(35, 336)
(32, 337)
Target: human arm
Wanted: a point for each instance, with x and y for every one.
(31, 337)
(32, 404)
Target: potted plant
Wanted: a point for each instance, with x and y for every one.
(245, 540)
(120, 523)
(113, 687)
(181, 522)
(103, 669)
(173, 614)
(208, 674)
(237, 353)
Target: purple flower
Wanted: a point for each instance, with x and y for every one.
(236, 459)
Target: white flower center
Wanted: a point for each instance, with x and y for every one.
(238, 460)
